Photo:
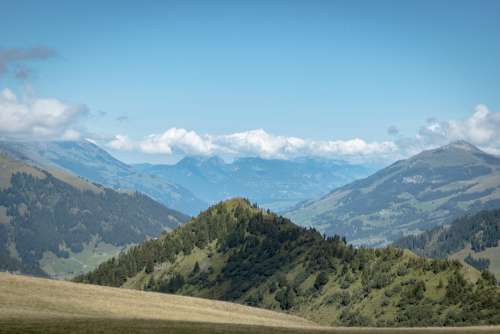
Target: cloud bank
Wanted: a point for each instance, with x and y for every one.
(481, 128)
(249, 143)
(50, 118)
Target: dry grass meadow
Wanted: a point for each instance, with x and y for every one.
(34, 305)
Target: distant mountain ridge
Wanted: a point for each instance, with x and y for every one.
(87, 160)
(273, 183)
(56, 224)
(408, 197)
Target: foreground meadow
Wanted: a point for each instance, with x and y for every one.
(34, 305)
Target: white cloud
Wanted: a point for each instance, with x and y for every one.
(258, 142)
(39, 117)
(482, 128)
(122, 143)
(177, 140)
(249, 143)
(353, 147)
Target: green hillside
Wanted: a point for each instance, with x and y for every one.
(237, 252)
(408, 197)
(472, 239)
(55, 224)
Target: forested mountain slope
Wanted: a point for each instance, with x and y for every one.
(53, 223)
(408, 197)
(473, 239)
(237, 252)
(89, 161)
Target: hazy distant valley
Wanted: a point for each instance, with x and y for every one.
(272, 183)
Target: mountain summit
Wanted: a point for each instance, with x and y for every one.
(427, 190)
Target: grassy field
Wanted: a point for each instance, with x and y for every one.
(34, 305)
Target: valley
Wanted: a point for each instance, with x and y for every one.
(272, 183)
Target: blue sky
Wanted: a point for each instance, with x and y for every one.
(316, 70)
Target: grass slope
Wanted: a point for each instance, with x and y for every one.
(35, 305)
(23, 296)
(237, 252)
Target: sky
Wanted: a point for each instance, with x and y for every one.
(156, 80)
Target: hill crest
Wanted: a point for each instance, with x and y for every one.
(236, 252)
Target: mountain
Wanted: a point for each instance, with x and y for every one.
(274, 184)
(473, 239)
(237, 252)
(87, 160)
(55, 224)
(408, 197)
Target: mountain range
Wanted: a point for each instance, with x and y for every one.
(193, 182)
(274, 184)
(408, 197)
(237, 252)
(53, 223)
(89, 161)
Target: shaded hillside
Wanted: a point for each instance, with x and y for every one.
(87, 160)
(53, 223)
(408, 197)
(274, 184)
(237, 252)
(471, 235)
